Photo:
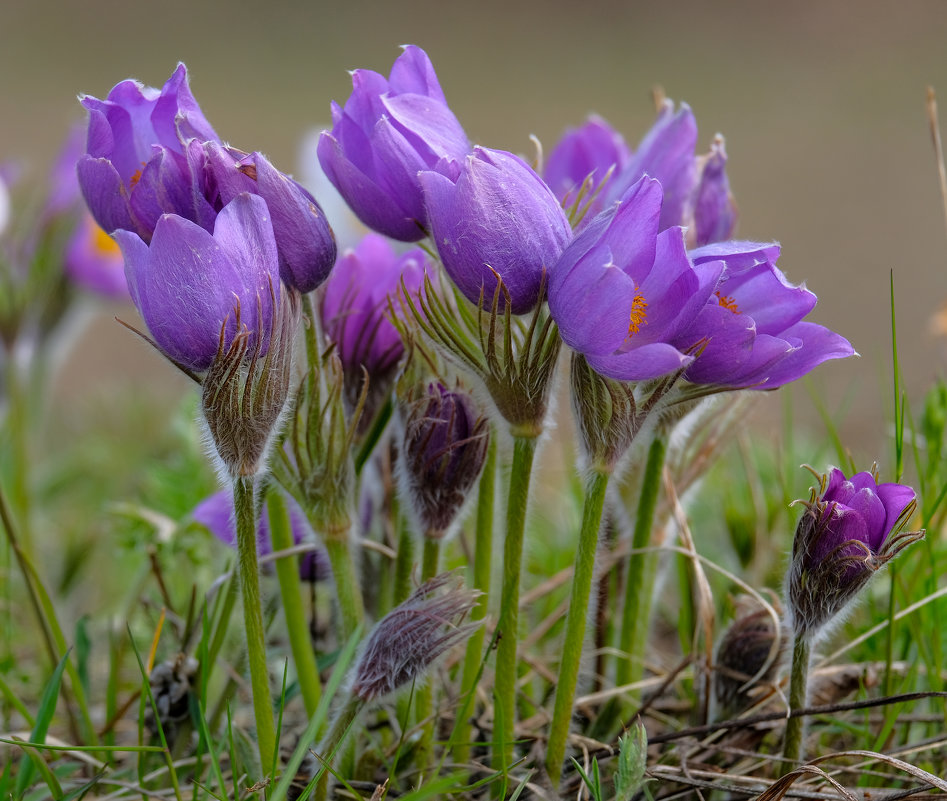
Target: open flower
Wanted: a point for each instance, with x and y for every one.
(851, 528)
(136, 145)
(389, 130)
(622, 293)
(152, 153)
(493, 217)
(752, 329)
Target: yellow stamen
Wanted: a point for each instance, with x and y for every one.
(639, 313)
(727, 302)
(136, 177)
(102, 243)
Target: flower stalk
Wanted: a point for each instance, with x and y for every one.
(248, 568)
(798, 692)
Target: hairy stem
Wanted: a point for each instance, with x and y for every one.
(575, 623)
(798, 687)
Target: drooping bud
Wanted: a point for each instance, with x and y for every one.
(749, 653)
(850, 530)
(442, 455)
(407, 641)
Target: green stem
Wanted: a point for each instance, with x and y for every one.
(524, 448)
(430, 559)
(247, 567)
(287, 571)
(404, 561)
(331, 744)
(483, 561)
(18, 425)
(347, 587)
(641, 569)
(575, 623)
(798, 686)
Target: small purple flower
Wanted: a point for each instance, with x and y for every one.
(93, 260)
(442, 455)
(216, 513)
(492, 216)
(388, 131)
(586, 152)
(851, 528)
(712, 208)
(355, 311)
(753, 326)
(622, 292)
(189, 283)
(135, 147)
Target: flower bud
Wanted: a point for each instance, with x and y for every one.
(493, 217)
(851, 528)
(442, 455)
(713, 210)
(406, 641)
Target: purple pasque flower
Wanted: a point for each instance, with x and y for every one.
(304, 241)
(696, 189)
(94, 261)
(752, 329)
(216, 513)
(493, 217)
(389, 130)
(442, 454)
(359, 298)
(188, 284)
(622, 292)
(135, 153)
(851, 528)
(586, 152)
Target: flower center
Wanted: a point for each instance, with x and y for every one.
(136, 177)
(727, 302)
(103, 244)
(639, 313)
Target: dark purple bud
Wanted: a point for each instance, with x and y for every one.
(389, 130)
(492, 216)
(442, 455)
(749, 654)
(622, 292)
(189, 283)
(586, 152)
(851, 528)
(407, 641)
(360, 296)
(752, 328)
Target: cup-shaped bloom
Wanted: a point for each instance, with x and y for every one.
(585, 153)
(752, 329)
(94, 261)
(442, 455)
(360, 296)
(216, 513)
(850, 529)
(622, 292)
(493, 217)
(304, 241)
(135, 151)
(412, 636)
(389, 130)
(189, 284)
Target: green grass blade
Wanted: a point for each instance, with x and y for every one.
(47, 708)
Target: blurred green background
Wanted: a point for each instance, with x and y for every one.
(822, 105)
